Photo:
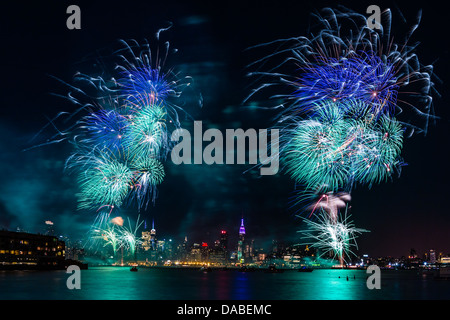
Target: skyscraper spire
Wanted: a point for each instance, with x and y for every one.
(240, 249)
(242, 228)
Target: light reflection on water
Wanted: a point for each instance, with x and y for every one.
(163, 284)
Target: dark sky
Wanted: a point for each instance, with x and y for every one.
(199, 200)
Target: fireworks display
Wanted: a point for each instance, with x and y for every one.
(332, 150)
(349, 97)
(119, 236)
(121, 143)
(332, 238)
(120, 132)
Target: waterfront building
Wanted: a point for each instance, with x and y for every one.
(445, 260)
(217, 255)
(26, 250)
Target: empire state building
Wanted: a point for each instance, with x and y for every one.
(240, 249)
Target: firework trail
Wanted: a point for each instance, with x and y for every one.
(331, 204)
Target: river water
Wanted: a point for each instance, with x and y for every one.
(118, 283)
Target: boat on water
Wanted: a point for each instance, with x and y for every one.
(206, 269)
(134, 269)
(305, 269)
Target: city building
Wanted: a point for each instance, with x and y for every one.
(153, 240)
(204, 252)
(182, 250)
(241, 243)
(146, 242)
(150, 248)
(195, 254)
(23, 250)
(219, 254)
(224, 240)
(432, 256)
(445, 260)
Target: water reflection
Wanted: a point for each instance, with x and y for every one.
(241, 286)
(223, 286)
(165, 284)
(334, 285)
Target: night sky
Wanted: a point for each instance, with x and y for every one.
(199, 200)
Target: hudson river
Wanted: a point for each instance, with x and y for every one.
(173, 284)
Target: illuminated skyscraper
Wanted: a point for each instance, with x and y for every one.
(224, 240)
(184, 245)
(146, 245)
(219, 254)
(432, 256)
(153, 236)
(241, 242)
